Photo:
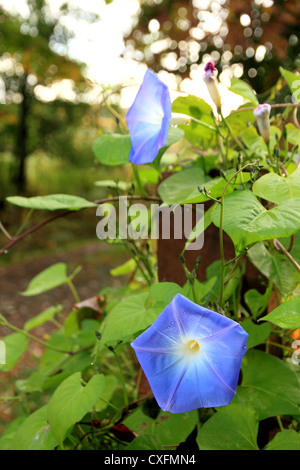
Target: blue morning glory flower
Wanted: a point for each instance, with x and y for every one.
(148, 119)
(191, 356)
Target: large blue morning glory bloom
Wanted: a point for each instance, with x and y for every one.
(191, 356)
(148, 119)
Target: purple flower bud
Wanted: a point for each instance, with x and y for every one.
(210, 78)
(191, 356)
(210, 67)
(261, 114)
(148, 119)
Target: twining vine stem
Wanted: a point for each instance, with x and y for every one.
(33, 229)
(5, 323)
(220, 300)
(276, 105)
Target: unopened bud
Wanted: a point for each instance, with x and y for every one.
(210, 78)
(261, 114)
(178, 119)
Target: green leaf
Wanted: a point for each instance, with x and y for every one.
(233, 427)
(293, 81)
(275, 267)
(122, 185)
(51, 202)
(139, 422)
(213, 282)
(243, 89)
(200, 227)
(287, 315)
(256, 143)
(50, 278)
(35, 433)
(130, 315)
(171, 429)
(285, 440)
(7, 438)
(257, 334)
(112, 149)
(75, 318)
(247, 221)
(295, 251)
(125, 268)
(162, 293)
(136, 313)
(71, 402)
(64, 368)
(199, 109)
(269, 385)
(43, 317)
(182, 186)
(111, 383)
(177, 188)
(278, 189)
(145, 442)
(15, 345)
(257, 302)
(168, 429)
(174, 134)
(34, 383)
(216, 186)
(50, 357)
(239, 122)
(293, 134)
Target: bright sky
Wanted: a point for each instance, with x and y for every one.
(99, 45)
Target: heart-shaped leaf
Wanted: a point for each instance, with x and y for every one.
(278, 189)
(247, 221)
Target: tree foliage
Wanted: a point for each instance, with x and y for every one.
(176, 35)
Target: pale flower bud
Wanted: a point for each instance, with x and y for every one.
(261, 114)
(210, 78)
(178, 119)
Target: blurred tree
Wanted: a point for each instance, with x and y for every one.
(33, 56)
(251, 38)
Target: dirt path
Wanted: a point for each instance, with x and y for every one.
(96, 260)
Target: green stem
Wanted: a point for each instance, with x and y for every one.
(138, 181)
(195, 294)
(281, 346)
(221, 242)
(291, 157)
(204, 124)
(31, 337)
(221, 147)
(3, 229)
(6, 324)
(144, 259)
(73, 290)
(56, 323)
(270, 152)
(138, 383)
(122, 379)
(20, 230)
(236, 140)
(108, 403)
(279, 247)
(135, 258)
(10, 398)
(280, 423)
